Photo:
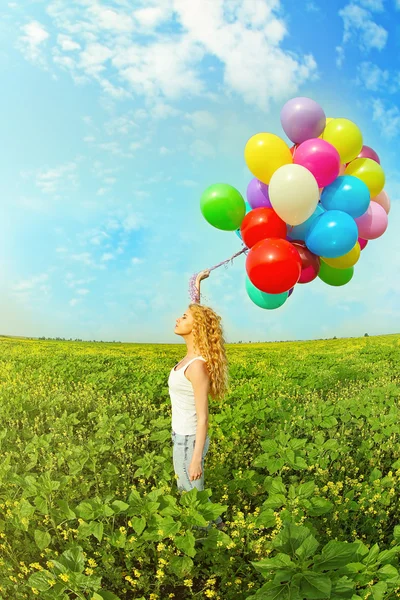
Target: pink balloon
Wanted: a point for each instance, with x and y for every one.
(384, 200)
(320, 158)
(362, 243)
(367, 152)
(373, 223)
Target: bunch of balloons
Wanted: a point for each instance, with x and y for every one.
(310, 209)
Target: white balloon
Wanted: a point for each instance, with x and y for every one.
(294, 193)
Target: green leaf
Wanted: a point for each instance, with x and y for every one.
(277, 562)
(388, 572)
(328, 422)
(181, 566)
(186, 543)
(307, 548)
(98, 530)
(73, 559)
(305, 490)
(138, 524)
(272, 591)
(277, 487)
(270, 446)
(42, 539)
(65, 510)
(274, 464)
(315, 586)
(266, 518)
(372, 555)
(338, 554)
(300, 463)
(290, 538)
(104, 595)
(378, 590)
(319, 506)
(375, 474)
(343, 587)
(85, 511)
(39, 580)
(119, 506)
(396, 533)
(387, 556)
(275, 501)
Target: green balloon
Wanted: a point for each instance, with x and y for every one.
(333, 276)
(264, 300)
(223, 206)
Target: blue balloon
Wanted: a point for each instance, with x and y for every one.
(348, 194)
(299, 232)
(333, 234)
(248, 209)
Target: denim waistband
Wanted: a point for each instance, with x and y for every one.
(185, 434)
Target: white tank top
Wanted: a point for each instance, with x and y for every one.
(184, 416)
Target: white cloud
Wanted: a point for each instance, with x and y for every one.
(360, 26)
(376, 79)
(373, 5)
(31, 43)
(29, 284)
(56, 179)
(202, 149)
(202, 120)
(67, 44)
(372, 77)
(165, 151)
(150, 17)
(387, 118)
(110, 19)
(138, 52)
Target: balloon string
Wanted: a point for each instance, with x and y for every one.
(193, 293)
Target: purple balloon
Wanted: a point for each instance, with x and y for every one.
(302, 119)
(257, 194)
(290, 292)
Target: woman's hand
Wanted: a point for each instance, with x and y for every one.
(202, 275)
(195, 470)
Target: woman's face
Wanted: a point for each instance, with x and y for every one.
(184, 324)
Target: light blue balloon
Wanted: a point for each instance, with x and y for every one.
(333, 234)
(248, 209)
(264, 300)
(299, 232)
(348, 194)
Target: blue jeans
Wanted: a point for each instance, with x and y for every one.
(183, 447)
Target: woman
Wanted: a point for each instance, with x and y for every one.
(203, 371)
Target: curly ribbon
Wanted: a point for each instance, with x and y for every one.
(193, 293)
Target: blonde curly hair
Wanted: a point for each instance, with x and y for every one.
(208, 337)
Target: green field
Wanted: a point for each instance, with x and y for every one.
(303, 466)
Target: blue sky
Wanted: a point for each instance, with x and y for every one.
(117, 115)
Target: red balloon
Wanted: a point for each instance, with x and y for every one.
(293, 149)
(273, 265)
(261, 223)
(368, 152)
(362, 243)
(310, 263)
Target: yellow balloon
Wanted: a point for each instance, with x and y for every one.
(328, 120)
(370, 172)
(345, 261)
(265, 153)
(345, 136)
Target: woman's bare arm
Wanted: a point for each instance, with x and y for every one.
(200, 276)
